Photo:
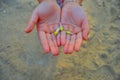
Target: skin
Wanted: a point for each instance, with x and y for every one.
(75, 20)
(46, 18)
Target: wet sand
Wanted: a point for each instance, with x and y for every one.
(22, 58)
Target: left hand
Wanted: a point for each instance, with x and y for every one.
(75, 20)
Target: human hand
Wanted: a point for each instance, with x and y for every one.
(74, 20)
(46, 16)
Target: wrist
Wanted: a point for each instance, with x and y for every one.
(79, 2)
(46, 0)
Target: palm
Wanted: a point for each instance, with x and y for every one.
(46, 16)
(74, 20)
(48, 12)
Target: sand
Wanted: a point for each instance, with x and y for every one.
(22, 57)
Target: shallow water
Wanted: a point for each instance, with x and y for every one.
(22, 58)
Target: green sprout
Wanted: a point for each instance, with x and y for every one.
(68, 32)
(61, 27)
(57, 31)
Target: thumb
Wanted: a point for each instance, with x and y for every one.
(32, 22)
(85, 29)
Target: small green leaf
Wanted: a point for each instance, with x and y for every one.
(68, 32)
(61, 28)
(55, 33)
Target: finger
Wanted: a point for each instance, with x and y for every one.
(85, 28)
(71, 44)
(63, 38)
(54, 40)
(78, 42)
(44, 41)
(55, 44)
(51, 44)
(66, 45)
(58, 39)
(32, 22)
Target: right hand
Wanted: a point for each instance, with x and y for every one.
(46, 16)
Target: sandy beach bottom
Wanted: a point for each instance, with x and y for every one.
(22, 57)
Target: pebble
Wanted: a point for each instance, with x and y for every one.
(118, 16)
(4, 11)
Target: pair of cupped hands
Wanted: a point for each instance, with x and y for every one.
(47, 17)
